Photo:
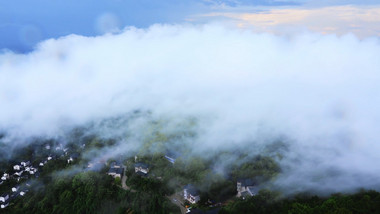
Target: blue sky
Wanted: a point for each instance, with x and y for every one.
(23, 23)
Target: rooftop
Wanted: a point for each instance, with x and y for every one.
(116, 170)
(142, 165)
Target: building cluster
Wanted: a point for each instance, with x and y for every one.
(21, 172)
(15, 192)
(244, 187)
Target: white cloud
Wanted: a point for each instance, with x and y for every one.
(320, 91)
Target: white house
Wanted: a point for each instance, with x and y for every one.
(23, 191)
(15, 189)
(19, 173)
(142, 168)
(24, 164)
(70, 160)
(5, 176)
(191, 194)
(246, 187)
(16, 167)
(4, 197)
(4, 205)
(116, 172)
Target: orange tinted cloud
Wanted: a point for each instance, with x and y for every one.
(362, 21)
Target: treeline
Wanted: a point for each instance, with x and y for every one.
(365, 202)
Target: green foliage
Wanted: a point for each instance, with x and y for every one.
(118, 181)
(262, 167)
(267, 202)
(91, 192)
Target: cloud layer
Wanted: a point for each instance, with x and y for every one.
(363, 21)
(319, 91)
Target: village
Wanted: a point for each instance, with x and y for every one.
(190, 195)
(20, 177)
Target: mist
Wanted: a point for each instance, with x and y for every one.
(245, 90)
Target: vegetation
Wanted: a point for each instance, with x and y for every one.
(63, 187)
(268, 202)
(90, 192)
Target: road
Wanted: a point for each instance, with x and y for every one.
(177, 199)
(124, 179)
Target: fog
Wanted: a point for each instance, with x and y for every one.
(244, 89)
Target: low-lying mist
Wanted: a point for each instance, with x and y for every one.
(230, 88)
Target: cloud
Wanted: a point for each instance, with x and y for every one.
(320, 91)
(363, 21)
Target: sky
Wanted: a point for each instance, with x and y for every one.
(24, 23)
(306, 70)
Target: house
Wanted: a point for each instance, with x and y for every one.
(4, 197)
(73, 157)
(41, 164)
(17, 167)
(116, 164)
(18, 173)
(141, 168)
(171, 157)
(70, 160)
(25, 164)
(23, 191)
(246, 188)
(4, 205)
(191, 194)
(116, 172)
(15, 189)
(59, 147)
(5, 176)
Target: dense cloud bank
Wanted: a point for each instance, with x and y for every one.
(320, 91)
